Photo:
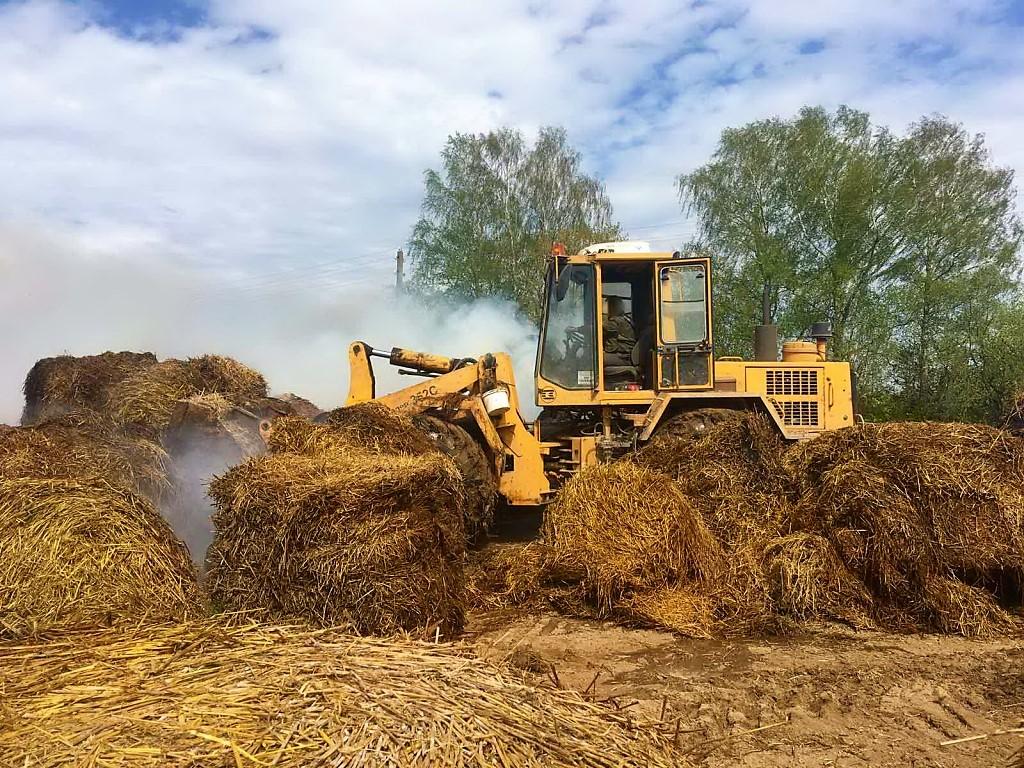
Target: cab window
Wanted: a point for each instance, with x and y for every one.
(567, 355)
(684, 315)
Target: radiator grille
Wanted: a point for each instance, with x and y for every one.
(798, 413)
(791, 382)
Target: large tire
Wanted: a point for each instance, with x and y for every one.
(693, 424)
(477, 472)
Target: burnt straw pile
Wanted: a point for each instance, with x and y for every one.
(901, 526)
(76, 553)
(290, 696)
(338, 532)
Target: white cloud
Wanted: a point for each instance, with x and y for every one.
(280, 146)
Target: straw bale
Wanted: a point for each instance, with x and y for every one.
(85, 554)
(379, 428)
(342, 536)
(81, 445)
(906, 504)
(57, 384)
(226, 376)
(810, 581)
(148, 398)
(628, 528)
(290, 696)
(733, 472)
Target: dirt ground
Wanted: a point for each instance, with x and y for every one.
(833, 697)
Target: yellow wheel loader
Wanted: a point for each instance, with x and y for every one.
(625, 349)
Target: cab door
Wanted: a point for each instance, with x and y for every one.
(684, 344)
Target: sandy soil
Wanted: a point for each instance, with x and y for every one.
(830, 698)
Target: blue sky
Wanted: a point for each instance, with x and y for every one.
(261, 146)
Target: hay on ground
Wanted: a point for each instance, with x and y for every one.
(686, 609)
(85, 554)
(81, 445)
(908, 504)
(628, 529)
(336, 536)
(58, 384)
(289, 696)
(509, 575)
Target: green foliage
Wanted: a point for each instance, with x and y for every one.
(490, 216)
(908, 245)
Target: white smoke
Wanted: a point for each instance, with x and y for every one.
(59, 295)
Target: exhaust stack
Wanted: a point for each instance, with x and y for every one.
(766, 343)
(821, 333)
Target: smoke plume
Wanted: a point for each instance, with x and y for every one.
(60, 296)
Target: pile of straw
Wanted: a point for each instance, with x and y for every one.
(57, 384)
(85, 554)
(148, 398)
(322, 530)
(627, 529)
(376, 427)
(912, 509)
(208, 694)
(733, 472)
(905, 526)
(80, 444)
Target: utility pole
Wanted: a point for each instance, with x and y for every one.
(399, 272)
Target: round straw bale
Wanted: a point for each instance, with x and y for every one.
(207, 694)
(810, 581)
(376, 427)
(57, 384)
(373, 540)
(84, 554)
(733, 471)
(81, 444)
(225, 376)
(906, 504)
(147, 398)
(628, 528)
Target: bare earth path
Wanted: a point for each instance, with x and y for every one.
(833, 698)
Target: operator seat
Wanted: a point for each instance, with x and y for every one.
(620, 371)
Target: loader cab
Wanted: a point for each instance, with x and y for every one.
(621, 323)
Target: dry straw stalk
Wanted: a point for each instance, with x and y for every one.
(209, 694)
